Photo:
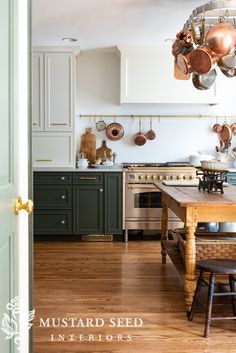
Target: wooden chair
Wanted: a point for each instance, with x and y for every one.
(212, 267)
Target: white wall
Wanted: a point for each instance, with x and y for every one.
(177, 138)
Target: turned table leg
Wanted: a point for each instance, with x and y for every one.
(164, 232)
(190, 266)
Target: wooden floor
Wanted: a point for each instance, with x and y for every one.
(111, 281)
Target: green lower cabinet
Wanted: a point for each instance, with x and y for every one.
(78, 203)
(113, 203)
(231, 178)
(88, 209)
(53, 222)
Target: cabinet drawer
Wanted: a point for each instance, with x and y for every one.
(53, 222)
(53, 150)
(88, 178)
(52, 178)
(52, 197)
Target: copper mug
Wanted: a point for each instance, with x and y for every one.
(202, 60)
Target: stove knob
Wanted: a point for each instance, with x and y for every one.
(191, 177)
(166, 177)
(155, 177)
(173, 177)
(141, 177)
(160, 177)
(148, 177)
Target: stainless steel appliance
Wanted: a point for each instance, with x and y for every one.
(142, 200)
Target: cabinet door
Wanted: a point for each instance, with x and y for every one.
(88, 209)
(59, 91)
(147, 76)
(53, 150)
(38, 92)
(113, 203)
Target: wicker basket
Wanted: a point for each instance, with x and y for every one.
(211, 245)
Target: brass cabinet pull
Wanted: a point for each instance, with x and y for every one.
(88, 178)
(58, 124)
(19, 206)
(148, 186)
(43, 160)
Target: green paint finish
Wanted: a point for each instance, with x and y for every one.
(113, 203)
(52, 178)
(88, 209)
(231, 178)
(53, 197)
(53, 222)
(88, 178)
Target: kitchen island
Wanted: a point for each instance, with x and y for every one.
(193, 206)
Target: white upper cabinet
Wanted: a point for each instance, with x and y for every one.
(53, 91)
(147, 76)
(38, 92)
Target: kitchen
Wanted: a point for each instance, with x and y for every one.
(87, 266)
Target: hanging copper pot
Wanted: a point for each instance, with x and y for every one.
(115, 131)
(183, 43)
(217, 128)
(202, 60)
(221, 38)
(184, 63)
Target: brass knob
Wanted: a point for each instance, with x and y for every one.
(28, 206)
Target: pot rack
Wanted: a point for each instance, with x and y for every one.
(212, 12)
(159, 116)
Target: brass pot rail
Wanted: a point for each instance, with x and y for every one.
(159, 116)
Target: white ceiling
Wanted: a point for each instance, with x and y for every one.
(105, 23)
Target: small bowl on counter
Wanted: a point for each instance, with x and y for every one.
(215, 165)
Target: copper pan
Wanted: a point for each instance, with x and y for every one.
(202, 60)
(184, 63)
(221, 38)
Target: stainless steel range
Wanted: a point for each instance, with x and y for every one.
(142, 200)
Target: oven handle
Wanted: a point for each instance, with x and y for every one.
(142, 186)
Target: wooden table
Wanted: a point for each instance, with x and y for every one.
(193, 206)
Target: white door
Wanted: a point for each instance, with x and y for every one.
(14, 267)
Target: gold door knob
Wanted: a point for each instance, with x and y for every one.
(28, 206)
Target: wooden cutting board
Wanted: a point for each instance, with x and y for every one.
(103, 151)
(88, 145)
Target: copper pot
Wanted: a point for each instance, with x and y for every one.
(217, 128)
(184, 63)
(115, 131)
(221, 38)
(204, 81)
(150, 135)
(183, 43)
(202, 60)
(140, 138)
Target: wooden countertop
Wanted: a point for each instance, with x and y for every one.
(191, 196)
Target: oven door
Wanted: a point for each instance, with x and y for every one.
(142, 201)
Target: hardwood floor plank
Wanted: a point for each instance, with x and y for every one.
(113, 281)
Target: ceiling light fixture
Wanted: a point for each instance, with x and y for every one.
(68, 39)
